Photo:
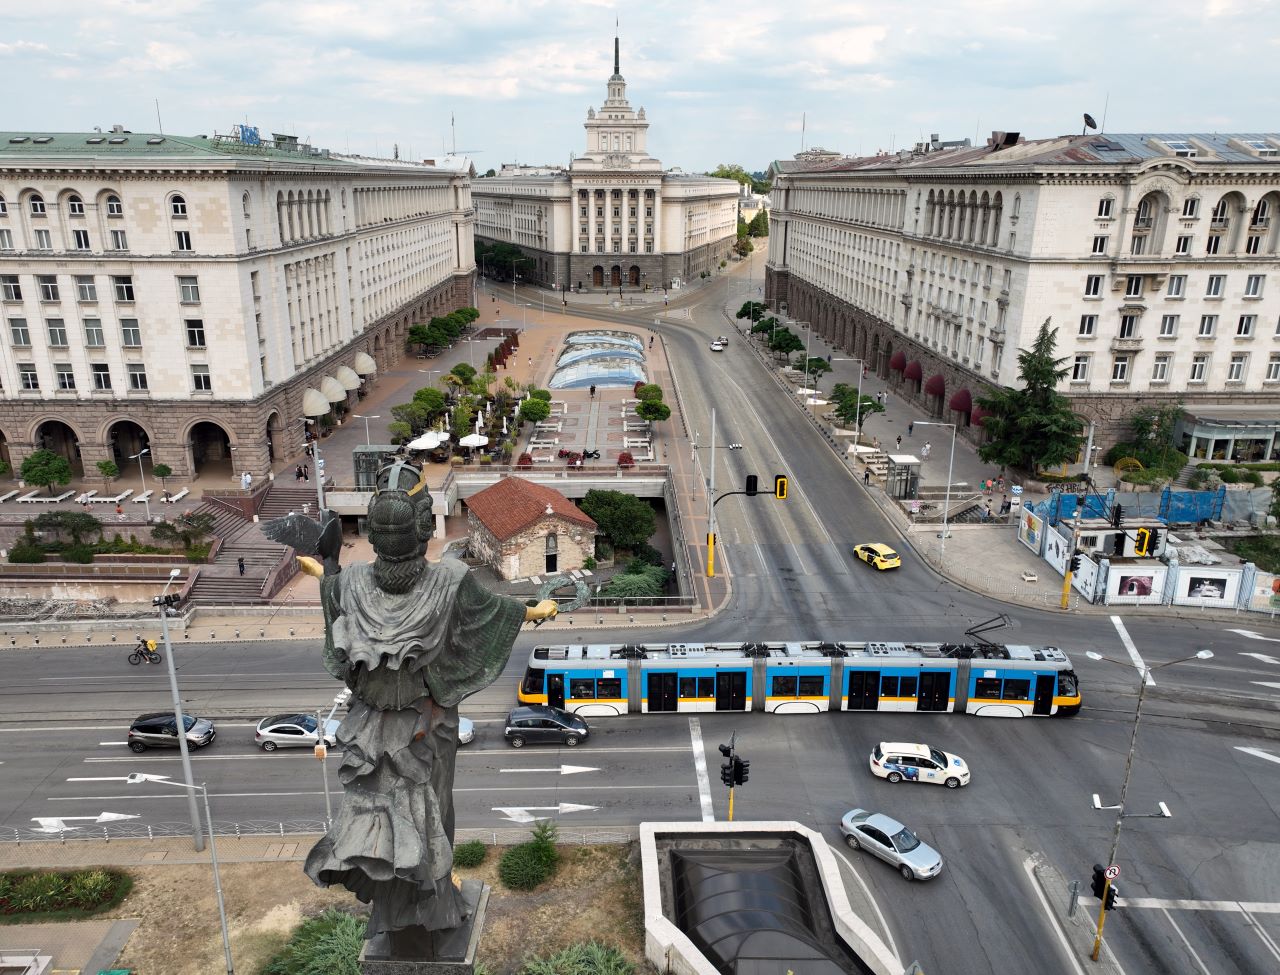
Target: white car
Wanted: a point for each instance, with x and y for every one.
(717, 346)
(900, 761)
(466, 730)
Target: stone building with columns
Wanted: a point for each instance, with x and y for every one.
(524, 529)
(1149, 253)
(196, 296)
(614, 218)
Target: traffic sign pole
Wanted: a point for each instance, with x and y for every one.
(1102, 916)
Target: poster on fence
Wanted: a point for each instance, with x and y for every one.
(1198, 585)
(1265, 597)
(1031, 530)
(1056, 549)
(1138, 584)
(1085, 579)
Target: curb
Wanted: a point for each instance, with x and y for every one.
(1076, 933)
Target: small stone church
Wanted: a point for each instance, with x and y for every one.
(523, 529)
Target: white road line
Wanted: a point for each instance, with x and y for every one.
(1263, 935)
(1169, 917)
(670, 787)
(1067, 951)
(700, 767)
(1258, 753)
(1264, 683)
(1133, 651)
(1173, 904)
(866, 890)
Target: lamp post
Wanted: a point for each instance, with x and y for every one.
(162, 603)
(322, 724)
(135, 778)
(946, 504)
(1144, 677)
(315, 452)
(857, 410)
(429, 374)
(367, 417)
(146, 503)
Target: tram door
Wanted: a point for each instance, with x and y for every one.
(662, 692)
(555, 690)
(1044, 694)
(864, 690)
(935, 687)
(731, 690)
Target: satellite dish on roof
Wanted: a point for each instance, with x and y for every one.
(1089, 123)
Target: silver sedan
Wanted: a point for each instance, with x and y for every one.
(293, 731)
(885, 837)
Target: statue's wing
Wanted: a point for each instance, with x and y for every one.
(299, 532)
(329, 541)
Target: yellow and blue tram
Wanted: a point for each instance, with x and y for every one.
(985, 679)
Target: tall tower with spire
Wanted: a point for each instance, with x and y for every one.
(617, 131)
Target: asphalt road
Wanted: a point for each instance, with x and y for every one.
(1201, 890)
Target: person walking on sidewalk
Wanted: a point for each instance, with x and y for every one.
(297, 473)
(911, 428)
(240, 564)
(898, 442)
(306, 472)
(926, 450)
(866, 476)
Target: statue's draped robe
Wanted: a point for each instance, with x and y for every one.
(409, 659)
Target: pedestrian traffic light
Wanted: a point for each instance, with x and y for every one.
(741, 770)
(780, 487)
(1112, 893)
(753, 485)
(726, 774)
(1141, 541)
(1117, 515)
(1075, 563)
(1099, 881)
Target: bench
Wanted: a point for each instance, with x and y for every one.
(49, 499)
(643, 426)
(144, 496)
(175, 498)
(29, 497)
(556, 427)
(103, 499)
(7, 497)
(554, 442)
(543, 458)
(630, 443)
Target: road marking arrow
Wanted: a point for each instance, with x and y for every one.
(1255, 636)
(1264, 683)
(522, 814)
(562, 770)
(1265, 658)
(57, 824)
(1259, 753)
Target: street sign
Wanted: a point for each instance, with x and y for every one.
(1016, 490)
(915, 507)
(1112, 872)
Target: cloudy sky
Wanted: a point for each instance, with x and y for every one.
(721, 82)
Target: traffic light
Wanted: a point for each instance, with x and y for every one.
(726, 774)
(1153, 546)
(1141, 541)
(1112, 893)
(1099, 881)
(780, 487)
(753, 485)
(1117, 515)
(170, 599)
(1075, 563)
(741, 770)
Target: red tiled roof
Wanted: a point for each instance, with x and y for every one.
(513, 504)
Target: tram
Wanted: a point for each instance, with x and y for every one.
(985, 679)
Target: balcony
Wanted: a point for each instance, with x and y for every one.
(1218, 223)
(1260, 223)
(1132, 344)
(1143, 223)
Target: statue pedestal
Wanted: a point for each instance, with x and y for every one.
(455, 950)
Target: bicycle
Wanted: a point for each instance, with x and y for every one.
(145, 650)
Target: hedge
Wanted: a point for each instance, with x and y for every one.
(27, 895)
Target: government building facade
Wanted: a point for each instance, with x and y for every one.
(614, 219)
(196, 296)
(1150, 255)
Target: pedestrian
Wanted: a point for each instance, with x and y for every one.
(898, 442)
(530, 362)
(885, 394)
(651, 341)
(926, 450)
(986, 486)
(593, 392)
(1000, 483)
(1004, 505)
(240, 564)
(828, 358)
(119, 513)
(986, 512)
(911, 428)
(297, 473)
(866, 476)
(306, 472)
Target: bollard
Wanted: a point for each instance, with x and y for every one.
(291, 631)
(1074, 887)
(237, 634)
(262, 633)
(113, 638)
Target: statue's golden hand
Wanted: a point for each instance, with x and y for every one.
(545, 610)
(310, 566)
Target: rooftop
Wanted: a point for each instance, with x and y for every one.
(514, 504)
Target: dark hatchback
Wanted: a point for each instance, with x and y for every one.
(160, 730)
(540, 724)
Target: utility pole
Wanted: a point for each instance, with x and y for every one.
(711, 506)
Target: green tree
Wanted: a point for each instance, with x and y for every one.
(742, 228)
(816, 365)
(162, 471)
(534, 410)
(490, 173)
(108, 470)
(653, 410)
(785, 341)
(414, 414)
(847, 408)
(430, 399)
(187, 530)
(44, 468)
(732, 171)
(1032, 427)
(742, 247)
(625, 520)
(759, 226)
(649, 391)
(464, 372)
(752, 310)
(5, 469)
(73, 524)
(399, 431)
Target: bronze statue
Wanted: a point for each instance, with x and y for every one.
(410, 639)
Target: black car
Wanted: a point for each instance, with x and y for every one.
(539, 724)
(160, 730)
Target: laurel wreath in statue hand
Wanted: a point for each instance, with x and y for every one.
(581, 593)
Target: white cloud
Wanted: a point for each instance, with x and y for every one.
(23, 47)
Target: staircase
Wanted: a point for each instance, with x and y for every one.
(221, 584)
(227, 523)
(281, 500)
(1183, 480)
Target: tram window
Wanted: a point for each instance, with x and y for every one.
(532, 683)
(907, 687)
(688, 687)
(888, 686)
(1017, 689)
(706, 687)
(785, 687)
(987, 687)
(811, 686)
(582, 687)
(609, 687)
(1068, 684)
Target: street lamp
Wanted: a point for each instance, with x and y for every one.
(136, 778)
(315, 452)
(367, 417)
(162, 603)
(946, 504)
(1144, 677)
(857, 410)
(146, 503)
(322, 750)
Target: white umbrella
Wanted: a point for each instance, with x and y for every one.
(805, 391)
(428, 441)
(446, 421)
(504, 426)
(474, 440)
(814, 401)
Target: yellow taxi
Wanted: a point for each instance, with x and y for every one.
(881, 556)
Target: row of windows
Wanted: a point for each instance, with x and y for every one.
(583, 195)
(1162, 366)
(86, 288)
(1246, 326)
(632, 246)
(1182, 245)
(37, 207)
(64, 377)
(94, 336)
(1147, 208)
(42, 240)
(1215, 286)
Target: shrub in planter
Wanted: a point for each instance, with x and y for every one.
(1229, 476)
(589, 563)
(525, 461)
(626, 460)
(26, 552)
(527, 865)
(470, 854)
(635, 390)
(81, 554)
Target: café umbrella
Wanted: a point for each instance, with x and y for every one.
(474, 440)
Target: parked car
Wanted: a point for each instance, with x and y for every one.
(159, 729)
(466, 730)
(541, 724)
(888, 839)
(293, 731)
(879, 555)
(900, 761)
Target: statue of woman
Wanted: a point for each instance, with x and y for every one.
(410, 639)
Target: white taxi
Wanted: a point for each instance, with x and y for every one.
(900, 761)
